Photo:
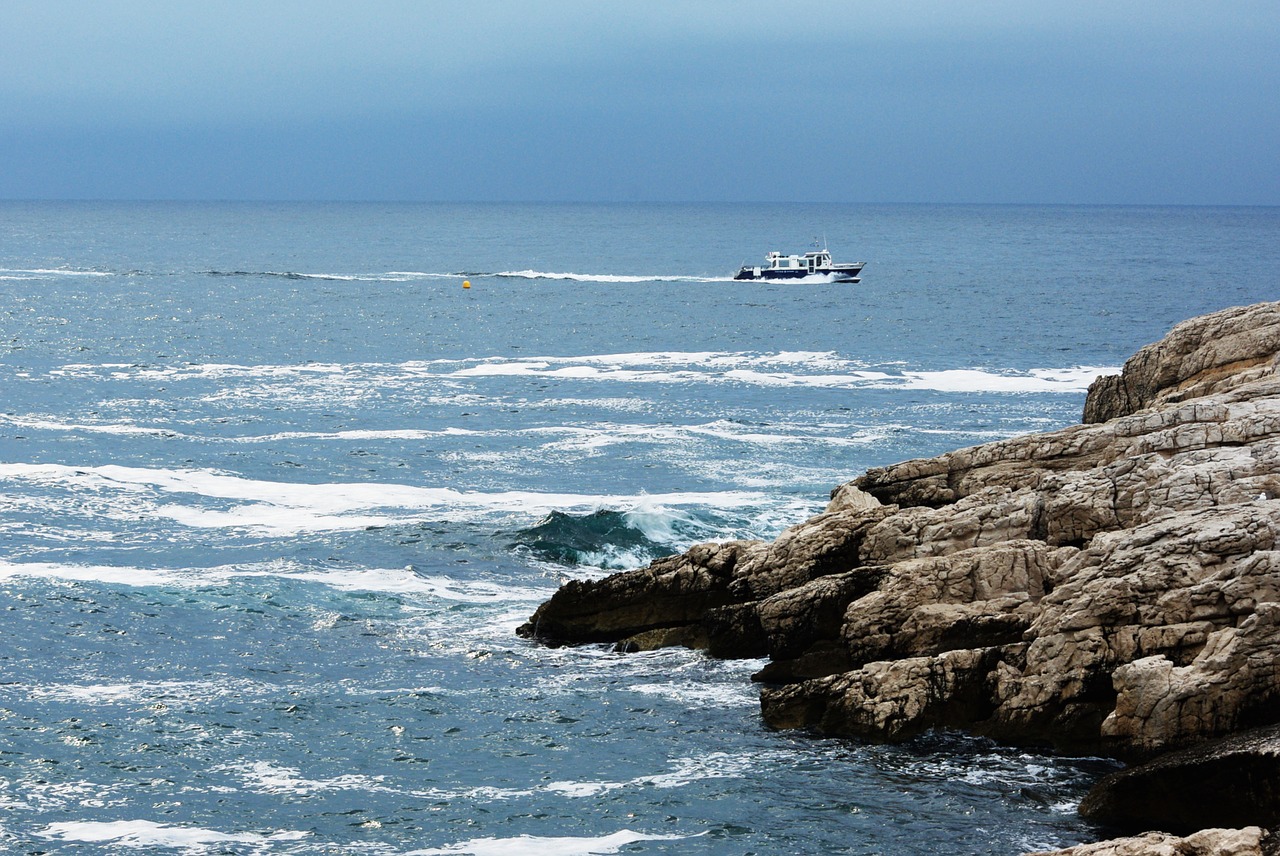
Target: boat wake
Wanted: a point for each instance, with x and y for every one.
(412, 276)
(385, 276)
(602, 277)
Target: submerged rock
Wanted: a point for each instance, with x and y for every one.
(1230, 782)
(1111, 587)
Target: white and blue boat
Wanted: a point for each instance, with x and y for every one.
(816, 264)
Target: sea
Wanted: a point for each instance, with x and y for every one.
(278, 482)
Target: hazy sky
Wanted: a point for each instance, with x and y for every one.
(901, 101)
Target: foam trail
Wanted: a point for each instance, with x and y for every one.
(390, 276)
(784, 369)
(532, 845)
(130, 429)
(265, 777)
(47, 273)
(1072, 380)
(402, 581)
(602, 277)
(120, 429)
(336, 498)
(146, 833)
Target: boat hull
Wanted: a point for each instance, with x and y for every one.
(835, 273)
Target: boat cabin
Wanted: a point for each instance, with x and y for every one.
(810, 262)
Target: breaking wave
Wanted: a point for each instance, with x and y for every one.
(602, 538)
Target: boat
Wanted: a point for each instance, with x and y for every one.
(815, 263)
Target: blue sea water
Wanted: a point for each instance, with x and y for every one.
(275, 491)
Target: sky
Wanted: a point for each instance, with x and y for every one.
(1084, 102)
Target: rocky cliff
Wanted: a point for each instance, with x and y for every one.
(1109, 587)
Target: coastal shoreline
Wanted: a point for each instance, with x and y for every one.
(1112, 587)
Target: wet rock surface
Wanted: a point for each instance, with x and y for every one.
(1230, 782)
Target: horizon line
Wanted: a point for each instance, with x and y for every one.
(672, 202)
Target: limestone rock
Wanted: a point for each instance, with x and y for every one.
(1250, 841)
(849, 497)
(674, 591)
(1202, 356)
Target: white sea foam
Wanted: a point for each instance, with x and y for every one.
(89, 573)
(817, 369)
(146, 833)
(1072, 380)
(714, 765)
(32, 423)
(686, 771)
(531, 845)
(1076, 379)
(360, 434)
(265, 777)
(624, 404)
(146, 692)
(407, 581)
(404, 581)
(288, 507)
(702, 695)
(593, 439)
(418, 274)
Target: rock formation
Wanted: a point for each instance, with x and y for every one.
(1250, 841)
(1109, 587)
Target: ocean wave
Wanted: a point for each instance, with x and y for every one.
(601, 538)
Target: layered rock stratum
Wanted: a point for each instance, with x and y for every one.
(1111, 587)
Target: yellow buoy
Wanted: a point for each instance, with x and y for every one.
(466, 283)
